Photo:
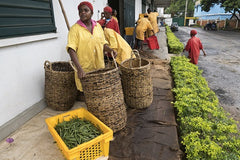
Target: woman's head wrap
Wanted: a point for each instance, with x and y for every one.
(107, 9)
(193, 32)
(87, 4)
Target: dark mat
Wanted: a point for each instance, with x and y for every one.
(150, 134)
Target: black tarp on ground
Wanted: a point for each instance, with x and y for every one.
(150, 134)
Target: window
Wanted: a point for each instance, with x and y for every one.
(26, 17)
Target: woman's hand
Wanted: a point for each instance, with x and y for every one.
(107, 49)
(102, 15)
(153, 32)
(204, 53)
(81, 74)
(76, 63)
(114, 53)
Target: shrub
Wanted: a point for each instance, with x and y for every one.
(174, 45)
(206, 130)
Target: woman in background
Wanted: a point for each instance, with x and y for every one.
(114, 14)
(109, 21)
(152, 17)
(143, 24)
(117, 43)
(193, 47)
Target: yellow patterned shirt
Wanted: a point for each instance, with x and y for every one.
(89, 48)
(152, 17)
(143, 25)
(119, 45)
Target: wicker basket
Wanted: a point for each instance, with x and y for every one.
(104, 96)
(60, 87)
(137, 82)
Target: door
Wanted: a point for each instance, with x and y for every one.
(129, 13)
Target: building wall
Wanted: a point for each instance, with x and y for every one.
(197, 2)
(138, 9)
(221, 24)
(160, 11)
(22, 61)
(216, 12)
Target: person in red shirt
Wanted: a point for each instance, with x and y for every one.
(193, 47)
(109, 21)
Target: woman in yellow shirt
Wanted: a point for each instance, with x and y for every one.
(117, 43)
(143, 24)
(152, 17)
(86, 43)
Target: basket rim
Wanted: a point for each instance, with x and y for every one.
(64, 72)
(135, 68)
(91, 74)
(47, 66)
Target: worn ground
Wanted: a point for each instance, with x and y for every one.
(33, 141)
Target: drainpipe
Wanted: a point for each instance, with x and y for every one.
(185, 12)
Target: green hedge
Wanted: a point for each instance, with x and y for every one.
(206, 130)
(174, 45)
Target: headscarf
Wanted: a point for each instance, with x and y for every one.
(193, 32)
(87, 4)
(107, 9)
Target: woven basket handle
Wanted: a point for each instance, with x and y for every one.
(115, 63)
(73, 66)
(48, 64)
(134, 51)
(108, 61)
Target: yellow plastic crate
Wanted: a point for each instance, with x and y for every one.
(90, 150)
(129, 31)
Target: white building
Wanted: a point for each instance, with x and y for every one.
(22, 66)
(22, 61)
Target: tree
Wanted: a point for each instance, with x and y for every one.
(173, 9)
(177, 8)
(232, 6)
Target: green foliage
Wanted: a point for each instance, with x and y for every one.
(206, 130)
(232, 6)
(174, 9)
(177, 8)
(174, 45)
